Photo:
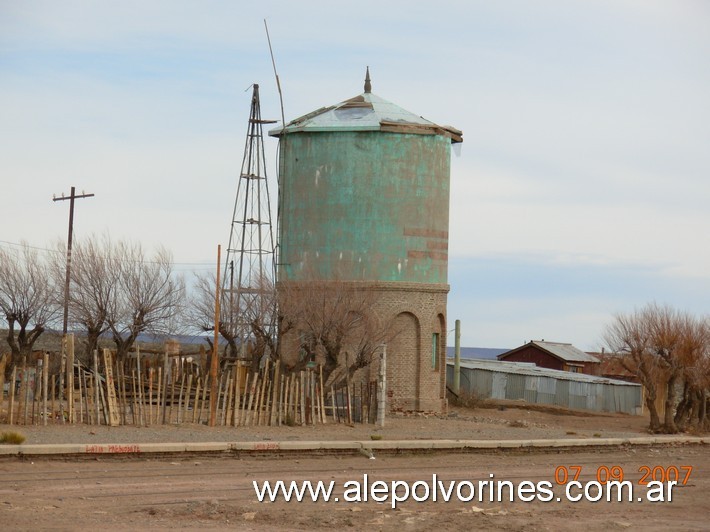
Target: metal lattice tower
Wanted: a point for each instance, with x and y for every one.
(250, 269)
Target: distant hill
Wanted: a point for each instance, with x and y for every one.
(51, 340)
(481, 353)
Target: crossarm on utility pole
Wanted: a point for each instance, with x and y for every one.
(72, 196)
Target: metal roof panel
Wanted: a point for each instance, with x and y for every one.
(562, 351)
(525, 368)
(566, 352)
(365, 112)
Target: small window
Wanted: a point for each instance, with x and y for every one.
(435, 351)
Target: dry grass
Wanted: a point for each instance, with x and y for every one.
(12, 438)
(467, 400)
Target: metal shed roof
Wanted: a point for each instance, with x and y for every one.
(566, 352)
(525, 368)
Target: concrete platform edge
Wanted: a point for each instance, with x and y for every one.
(305, 446)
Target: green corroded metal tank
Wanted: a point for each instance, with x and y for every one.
(364, 194)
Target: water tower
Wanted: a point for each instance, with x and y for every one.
(364, 199)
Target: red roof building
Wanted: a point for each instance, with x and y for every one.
(554, 355)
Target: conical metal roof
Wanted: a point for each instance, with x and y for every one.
(366, 112)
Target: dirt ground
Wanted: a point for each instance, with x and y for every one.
(196, 492)
(510, 420)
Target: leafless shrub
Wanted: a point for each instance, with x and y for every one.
(467, 399)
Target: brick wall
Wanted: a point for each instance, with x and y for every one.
(416, 377)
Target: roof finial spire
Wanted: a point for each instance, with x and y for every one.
(368, 85)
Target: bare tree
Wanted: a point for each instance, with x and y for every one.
(94, 283)
(664, 348)
(666, 328)
(692, 408)
(335, 323)
(265, 323)
(28, 299)
(628, 337)
(148, 296)
(200, 312)
(244, 322)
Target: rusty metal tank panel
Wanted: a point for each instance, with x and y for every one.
(364, 194)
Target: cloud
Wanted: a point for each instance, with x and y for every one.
(511, 322)
(506, 300)
(583, 172)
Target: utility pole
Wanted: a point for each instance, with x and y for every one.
(214, 362)
(72, 196)
(457, 358)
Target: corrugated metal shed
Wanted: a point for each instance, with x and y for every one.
(515, 380)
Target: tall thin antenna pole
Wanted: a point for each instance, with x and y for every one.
(279, 176)
(278, 83)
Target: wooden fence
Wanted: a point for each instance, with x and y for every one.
(168, 389)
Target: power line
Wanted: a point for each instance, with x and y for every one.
(5, 243)
(72, 196)
(26, 245)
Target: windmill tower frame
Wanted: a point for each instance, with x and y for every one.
(248, 291)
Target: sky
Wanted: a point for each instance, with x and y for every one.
(580, 192)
